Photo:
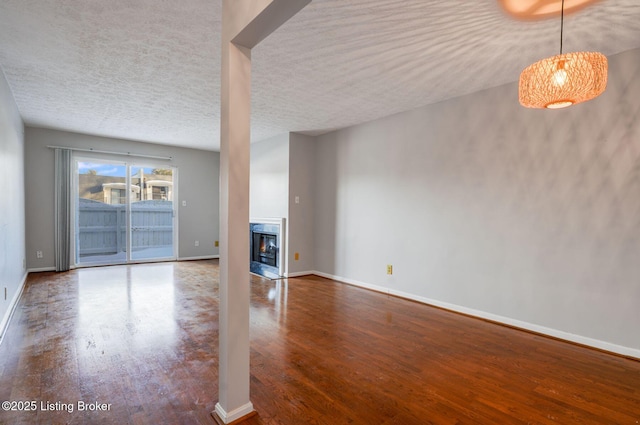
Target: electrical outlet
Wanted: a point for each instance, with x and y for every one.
(216, 243)
(296, 256)
(389, 269)
(39, 254)
(197, 243)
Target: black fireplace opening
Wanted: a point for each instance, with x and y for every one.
(265, 248)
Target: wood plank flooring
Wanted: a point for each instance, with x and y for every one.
(142, 339)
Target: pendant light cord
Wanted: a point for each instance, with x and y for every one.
(561, 24)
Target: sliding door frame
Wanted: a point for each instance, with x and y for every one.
(128, 163)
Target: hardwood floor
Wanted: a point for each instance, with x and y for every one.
(142, 340)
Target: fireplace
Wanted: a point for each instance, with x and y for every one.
(266, 240)
(265, 248)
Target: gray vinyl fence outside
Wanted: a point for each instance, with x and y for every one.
(102, 227)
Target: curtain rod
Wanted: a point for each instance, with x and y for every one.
(166, 158)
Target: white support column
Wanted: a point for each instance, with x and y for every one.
(244, 24)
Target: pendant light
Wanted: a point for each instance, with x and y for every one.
(541, 9)
(563, 80)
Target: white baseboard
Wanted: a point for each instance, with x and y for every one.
(235, 414)
(555, 333)
(298, 274)
(41, 269)
(202, 257)
(353, 282)
(12, 307)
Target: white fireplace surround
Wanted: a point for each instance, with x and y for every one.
(282, 237)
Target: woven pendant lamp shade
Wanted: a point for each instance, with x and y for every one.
(563, 80)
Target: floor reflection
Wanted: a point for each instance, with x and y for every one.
(268, 301)
(126, 305)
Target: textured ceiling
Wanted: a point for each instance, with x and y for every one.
(149, 69)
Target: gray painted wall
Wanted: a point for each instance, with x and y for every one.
(301, 175)
(198, 184)
(12, 223)
(526, 216)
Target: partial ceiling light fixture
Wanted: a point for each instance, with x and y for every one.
(541, 9)
(563, 80)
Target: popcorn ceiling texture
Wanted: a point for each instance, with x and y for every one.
(150, 70)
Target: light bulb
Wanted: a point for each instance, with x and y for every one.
(559, 77)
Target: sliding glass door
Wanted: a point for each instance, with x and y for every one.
(101, 213)
(124, 213)
(151, 229)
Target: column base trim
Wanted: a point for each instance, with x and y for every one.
(236, 416)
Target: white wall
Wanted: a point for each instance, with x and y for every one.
(526, 216)
(12, 222)
(301, 214)
(269, 181)
(198, 184)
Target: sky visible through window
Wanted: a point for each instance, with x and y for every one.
(102, 169)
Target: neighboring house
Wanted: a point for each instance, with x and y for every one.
(112, 190)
